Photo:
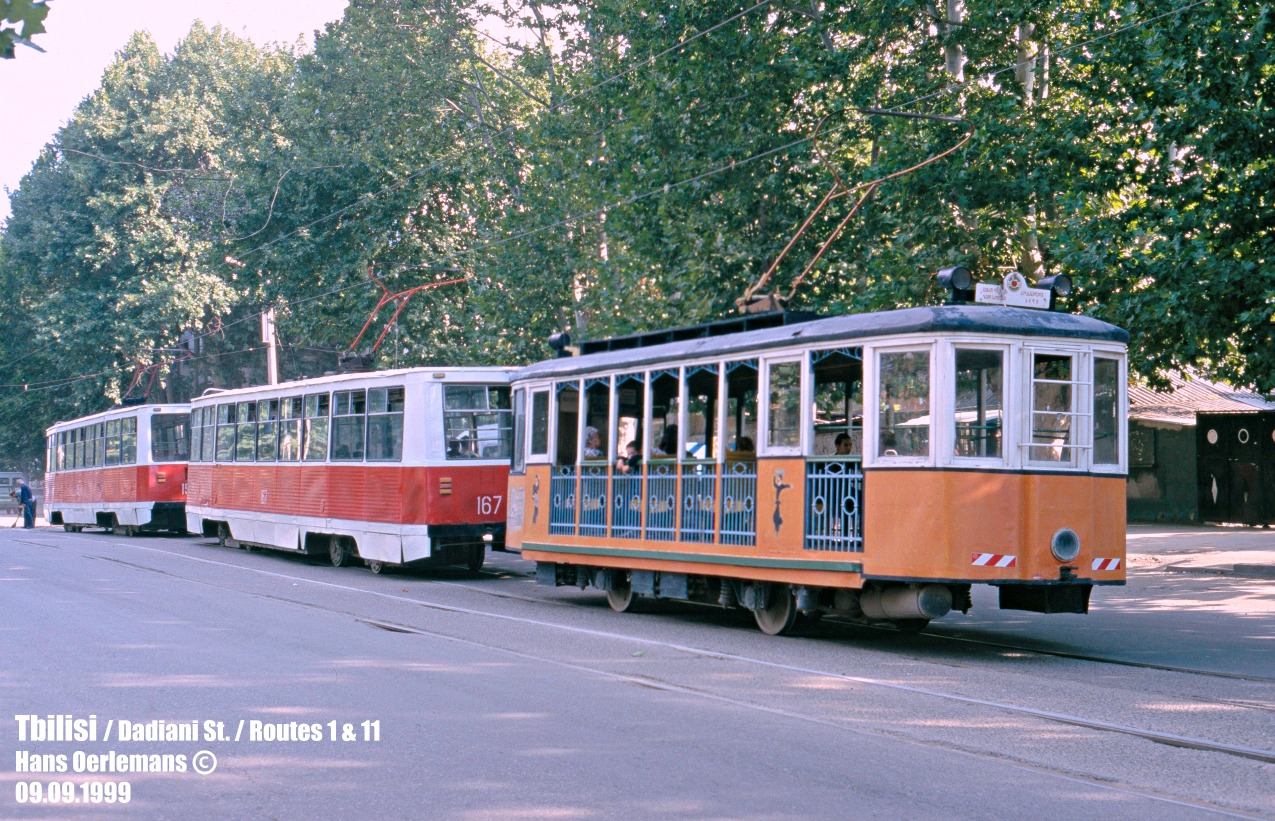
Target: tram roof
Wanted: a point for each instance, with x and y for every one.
(118, 412)
(848, 328)
(461, 375)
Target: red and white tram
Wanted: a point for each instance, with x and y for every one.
(123, 470)
(392, 467)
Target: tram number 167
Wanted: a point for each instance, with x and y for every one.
(489, 505)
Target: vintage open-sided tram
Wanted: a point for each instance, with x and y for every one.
(394, 467)
(873, 465)
(123, 470)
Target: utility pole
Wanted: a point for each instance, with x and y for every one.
(271, 341)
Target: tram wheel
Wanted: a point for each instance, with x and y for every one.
(376, 567)
(477, 555)
(68, 528)
(337, 553)
(126, 530)
(223, 534)
(780, 613)
(911, 626)
(620, 595)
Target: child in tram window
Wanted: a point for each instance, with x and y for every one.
(845, 445)
(668, 442)
(628, 463)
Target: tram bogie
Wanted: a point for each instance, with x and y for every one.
(872, 466)
(387, 469)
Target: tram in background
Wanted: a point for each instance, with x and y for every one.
(393, 468)
(873, 466)
(123, 470)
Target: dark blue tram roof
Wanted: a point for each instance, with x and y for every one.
(966, 318)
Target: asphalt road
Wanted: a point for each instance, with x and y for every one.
(499, 699)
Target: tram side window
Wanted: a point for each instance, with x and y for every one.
(316, 426)
(1106, 410)
(225, 433)
(520, 431)
(290, 409)
(246, 432)
(540, 423)
(208, 446)
(128, 441)
(1053, 408)
(630, 402)
(666, 408)
(61, 450)
(385, 424)
(838, 402)
(597, 415)
(170, 437)
(741, 408)
(267, 430)
(113, 442)
(196, 435)
(99, 445)
(784, 419)
(702, 434)
(904, 424)
(980, 403)
(477, 422)
(568, 421)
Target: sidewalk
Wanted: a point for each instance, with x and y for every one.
(1214, 550)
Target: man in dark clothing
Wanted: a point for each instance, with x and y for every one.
(27, 500)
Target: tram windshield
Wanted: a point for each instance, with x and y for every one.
(477, 422)
(170, 438)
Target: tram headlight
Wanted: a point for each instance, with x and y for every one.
(1065, 545)
(959, 281)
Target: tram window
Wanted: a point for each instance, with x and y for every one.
(837, 409)
(349, 423)
(568, 421)
(113, 442)
(225, 433)
(385, 424)
(784, 418)
(1053, 408)
(1106, 409)
(61, 450)
(540, 423)
(520, 431)
(128, 441)
(316, 427)
(290, 409)
(666, 407)
(267, 430)
(741, 407)
(170, 437)
(97, 452)
(980, 398)
(196, 435)
(597, 415)
(477, 422)
(630, 399)
(702, 434)
(246, 432)
(904, 424)
(209, 443)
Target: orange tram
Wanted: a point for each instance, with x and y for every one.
(874, 466)
(123, 470)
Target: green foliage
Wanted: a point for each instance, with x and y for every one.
(20, 20)
(611, 170)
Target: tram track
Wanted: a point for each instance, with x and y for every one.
(1148, 734)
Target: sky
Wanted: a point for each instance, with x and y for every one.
(39, 92)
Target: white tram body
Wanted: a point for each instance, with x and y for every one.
(391, 467)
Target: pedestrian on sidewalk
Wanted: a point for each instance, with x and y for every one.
(27, 500)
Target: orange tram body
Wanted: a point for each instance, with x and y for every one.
(873, 466)
(123, 470)
(391, 468)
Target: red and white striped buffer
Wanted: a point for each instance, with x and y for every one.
(1106, 564)
(992, 560)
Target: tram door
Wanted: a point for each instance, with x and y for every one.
(1235, 467)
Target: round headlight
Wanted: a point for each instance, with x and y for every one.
(1065, 545)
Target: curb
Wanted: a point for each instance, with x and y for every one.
(1254, 571)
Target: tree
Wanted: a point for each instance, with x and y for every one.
(20, 20)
